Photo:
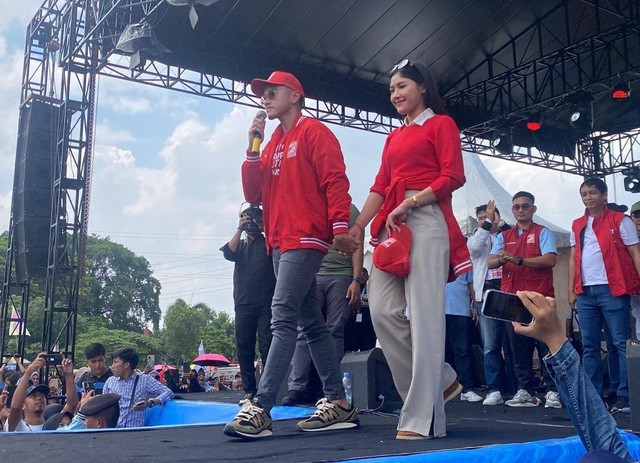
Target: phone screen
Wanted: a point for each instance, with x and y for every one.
(505, 306)
(151, 360)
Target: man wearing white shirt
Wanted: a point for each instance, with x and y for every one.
(494, 332)
(604, 270)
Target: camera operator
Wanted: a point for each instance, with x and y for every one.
(29, 401)
(253, 285)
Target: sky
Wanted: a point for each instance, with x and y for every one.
(166, 181)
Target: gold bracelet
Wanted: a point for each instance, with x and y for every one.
(415, 200)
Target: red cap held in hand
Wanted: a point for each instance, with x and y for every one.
(393, 255)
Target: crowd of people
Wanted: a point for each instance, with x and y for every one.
(95, 396)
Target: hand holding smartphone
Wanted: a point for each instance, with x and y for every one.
(505, 306)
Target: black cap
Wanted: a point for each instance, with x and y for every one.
(99, 403)
(40, 388)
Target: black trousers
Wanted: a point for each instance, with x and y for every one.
(252, 322)
(457, 337)
(523, 347)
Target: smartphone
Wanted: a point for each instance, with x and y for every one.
(53, 358)
(505, 306)
(87, 386)
(11, 389)
(151, 360)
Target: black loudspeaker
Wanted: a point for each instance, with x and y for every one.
(633, 369)
(32, 185)
(370, 379)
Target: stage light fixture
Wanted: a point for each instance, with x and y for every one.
(632, 184)
(534, 123)
(575, 115)
(139, 38)
(503, 141)
(621, 91)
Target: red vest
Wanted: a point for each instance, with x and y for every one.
(521, 278)
(621, 272)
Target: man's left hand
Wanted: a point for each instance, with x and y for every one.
(353, 294)
(139, 406)
(345, 244)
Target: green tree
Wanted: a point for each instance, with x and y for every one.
(219, 335)
(95, 329)
(186, 325)
(119, 286)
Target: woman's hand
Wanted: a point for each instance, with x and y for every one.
(399, 214)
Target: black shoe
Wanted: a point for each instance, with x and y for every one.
(621, 403)
(295, 398)
(610, 399)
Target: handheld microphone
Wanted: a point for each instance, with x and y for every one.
(257, 137)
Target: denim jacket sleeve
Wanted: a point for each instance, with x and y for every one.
(595, 425)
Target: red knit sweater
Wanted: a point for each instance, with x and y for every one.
(414, 158)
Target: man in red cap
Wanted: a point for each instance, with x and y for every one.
(301, 182)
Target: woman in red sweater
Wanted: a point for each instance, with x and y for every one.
(421, 167)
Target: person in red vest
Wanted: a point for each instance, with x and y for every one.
(604, 271)
(527, 254)
(421, 167)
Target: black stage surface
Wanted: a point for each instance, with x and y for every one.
(469, 425)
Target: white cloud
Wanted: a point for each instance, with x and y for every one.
(107, 135)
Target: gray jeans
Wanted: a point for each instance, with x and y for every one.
(296, 303)
(332, 291)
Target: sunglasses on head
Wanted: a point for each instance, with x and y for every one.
(401, 65)
(636, 214)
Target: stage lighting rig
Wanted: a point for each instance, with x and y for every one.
(193, 14)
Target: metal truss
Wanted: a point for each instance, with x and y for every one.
(601, 154)
(515, 89)
(59, 29)
(15, 301)
(183, 80)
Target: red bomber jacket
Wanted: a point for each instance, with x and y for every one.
(300, 180)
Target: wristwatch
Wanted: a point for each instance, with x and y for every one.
(520, 260)
(361, 280)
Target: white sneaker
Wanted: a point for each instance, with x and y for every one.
(493, 398)
(523, 399)
(552, 400)
(470, 396)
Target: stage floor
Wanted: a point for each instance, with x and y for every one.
(469, 425)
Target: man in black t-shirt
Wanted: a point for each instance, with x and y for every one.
(253, 284)
(98, 373)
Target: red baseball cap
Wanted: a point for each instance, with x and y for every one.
(393, 255)
(277, 78)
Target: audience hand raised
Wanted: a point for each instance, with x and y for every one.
(546, 326)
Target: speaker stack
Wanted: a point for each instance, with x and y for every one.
(32, 186)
